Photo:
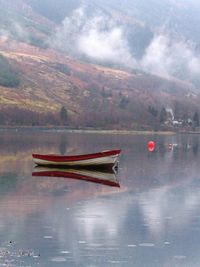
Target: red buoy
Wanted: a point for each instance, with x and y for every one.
(151, 146)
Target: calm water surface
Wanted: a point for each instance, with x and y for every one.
(153, 219)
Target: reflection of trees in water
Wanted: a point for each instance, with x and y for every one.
(63, 144)
(26, 140)
(195, 146)
(162, 149)
(22, 141)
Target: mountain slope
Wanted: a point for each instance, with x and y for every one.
(93, 95)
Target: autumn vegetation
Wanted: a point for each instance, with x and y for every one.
(45, 88)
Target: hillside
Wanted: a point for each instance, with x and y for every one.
(93, 95)
(44, 82)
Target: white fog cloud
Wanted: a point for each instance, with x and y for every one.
(168, 57)
(97, 37)
(106, 46)
(15, 30)
(100, 38)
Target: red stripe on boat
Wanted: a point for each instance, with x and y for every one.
(58, 158)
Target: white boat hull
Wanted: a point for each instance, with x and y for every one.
(110, 160)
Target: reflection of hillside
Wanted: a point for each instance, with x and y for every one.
(14, 142)
(139, 170)
(157, 205)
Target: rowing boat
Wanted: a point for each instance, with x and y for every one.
(105, 178)
(108, 157)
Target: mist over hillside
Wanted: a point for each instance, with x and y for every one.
(160, 37)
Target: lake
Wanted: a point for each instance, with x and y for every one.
(152, 219)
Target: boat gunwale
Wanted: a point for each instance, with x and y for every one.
(74, 158)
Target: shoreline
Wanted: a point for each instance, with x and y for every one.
(92, 131)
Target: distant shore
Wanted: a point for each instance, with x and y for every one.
(91, 130)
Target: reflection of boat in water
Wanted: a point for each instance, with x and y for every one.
(106, 178)
(109, 157)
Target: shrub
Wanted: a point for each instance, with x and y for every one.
(8, 76)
